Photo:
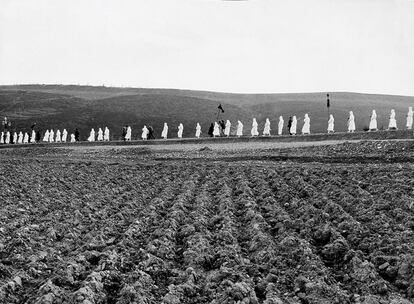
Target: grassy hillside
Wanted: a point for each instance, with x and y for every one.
(85, 107)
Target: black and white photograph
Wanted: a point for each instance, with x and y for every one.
(206, 151)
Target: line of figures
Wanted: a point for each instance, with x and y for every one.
(216, 129)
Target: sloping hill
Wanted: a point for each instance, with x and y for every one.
(59, 106)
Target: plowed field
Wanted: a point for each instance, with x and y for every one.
(323, 224)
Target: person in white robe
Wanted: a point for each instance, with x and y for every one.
(58, 136)
(180, 130)
(294, 125)
(410, 118)
(106, 134)
(266, 130)
(306, 125)
(7, 140)
(254, 130)
(100, 134)
(331, 124)
(128, 134)
(216, 130)
(198, 131)
(144, 134)
(2, 138)
(15, 138)
(239, 131)
(373, 126)
(20, 138)
(227, 128)
(91, 135)
(64, 135)
(26, 138)
(164, 133)
(51, 136)
(46, 136)
(280, 125)
(392, 125)
(33, 137)
(72, 137)
(351, 122)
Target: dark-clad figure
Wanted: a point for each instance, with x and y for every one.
(222, 124)
(38, 136)
(77, 134)
(289, 124)
(211, 130)
(124, 132)
(150, 133)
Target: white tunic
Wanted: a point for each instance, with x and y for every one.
(331, 123)
(100, 135)
(58, 138)
(393, 122)
(266, 130)
(294, 125)
(216, 130)
(373, 122)
(351, 122)
(227, 128)
(2, 138)
(72, 137)
(14, 137)
(306, 125)
(164, 132)
(20, 138)
(128, 133)
(91, 135)
(410, 118)
(280, 125)
(46, 136)
(64, 135)
(106, 134)
(33, 137)
(239, 131)
(180, 131)
(198, 131)
(254, 130)
(51, 136)
(144, 134)
(7, 140)
(25, 138)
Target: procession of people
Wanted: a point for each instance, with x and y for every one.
(217, 129)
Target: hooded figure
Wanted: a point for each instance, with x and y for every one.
(51, 136)
(72, 137)
(106, 134)
(100, 134)
(351, 122)
(266, 131)
(164, 132)
(254, 130)
(227, 128)
(373, 122)
(331, 123)
(144, 134)
(15, 138)
(289, 124)
(2, 138)
(198, 131)
(91, 135)
(393, 122)
(20, 138)
(58, 138)
(239, 131)
(64, 135)
(216, 130)
(7, 140)
(280, 125)
(410, 118)
(180, 130)
(46, 136)
(293, 126)
(26, 138)
(128, 135)
(306, 124)
(33, 137)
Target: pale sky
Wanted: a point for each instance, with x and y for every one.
(253, 46)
